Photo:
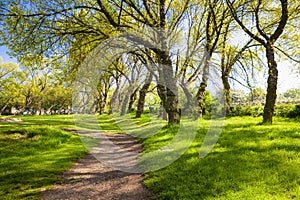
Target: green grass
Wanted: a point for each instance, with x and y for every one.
(34, 153)
(250, 161)
(140, 127)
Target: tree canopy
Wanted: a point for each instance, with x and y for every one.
(179, 44)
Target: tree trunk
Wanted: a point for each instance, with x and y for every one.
(226, 86)
(5, 106)
(102, 105)
(112, 104)
(142, 96)
(132, 100)
(162, 93)
(189, 99)
(202, 88)
(162, 112)
(105, 94)
(272, 85)
(167, 88)
(102, 102)
(124, 104)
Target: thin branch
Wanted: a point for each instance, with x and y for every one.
(254, 36)
(287, 55)
(49, 14)
(257, 21)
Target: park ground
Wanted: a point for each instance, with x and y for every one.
(249, 161)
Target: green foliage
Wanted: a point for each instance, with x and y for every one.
(208, 101)
(32, 157)
(248, 162)
(284, 110)
(292, 94)
(281, 110)
(9, 87)
(246, 111)
(257, 96)
(296, 112)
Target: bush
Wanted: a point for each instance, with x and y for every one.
(282, 110)
(246, 111)
(295, 113)
(257, 111)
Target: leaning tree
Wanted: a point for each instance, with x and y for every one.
(51, 28)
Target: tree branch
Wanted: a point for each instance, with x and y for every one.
(257, 21)
(287, 55)
(282, 23)
(254, 36)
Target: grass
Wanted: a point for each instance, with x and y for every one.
(33, 154)
(250, 161)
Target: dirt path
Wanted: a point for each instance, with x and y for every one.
(91, 179)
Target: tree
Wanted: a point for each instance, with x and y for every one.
(292, 95)
(8, 85)
(215, 20)
(142, 95)
(268, 30)
(54, 27)
(230, 56)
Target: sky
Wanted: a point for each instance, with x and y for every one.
(5, 57)
(288, 73)
(288, 77)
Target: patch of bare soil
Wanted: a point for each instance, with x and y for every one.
(91, 179)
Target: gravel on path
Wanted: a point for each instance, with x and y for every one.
(91, 179)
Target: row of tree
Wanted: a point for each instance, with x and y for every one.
(21, 93)
(31, 91)
(178, 45)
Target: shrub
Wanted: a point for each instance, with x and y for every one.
(257, 111)
(295, 113)
(282, 110)
(246, 111)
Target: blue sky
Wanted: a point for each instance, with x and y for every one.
(5, 57)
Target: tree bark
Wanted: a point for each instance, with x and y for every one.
(202, 88)
(162, 112)
(272, 85)
(124, 104)
(132, 100)
(142, 96)
(112, 107)
(104, 97)
(226, 86)
(5, 106)
(189, 99)
(167, 88)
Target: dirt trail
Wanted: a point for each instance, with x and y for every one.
(91, 179)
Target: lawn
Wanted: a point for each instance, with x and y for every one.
(249, 161)
(33, 154)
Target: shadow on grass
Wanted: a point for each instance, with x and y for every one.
(248, 162)
(30, 162)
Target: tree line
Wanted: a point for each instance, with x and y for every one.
(65, 33)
